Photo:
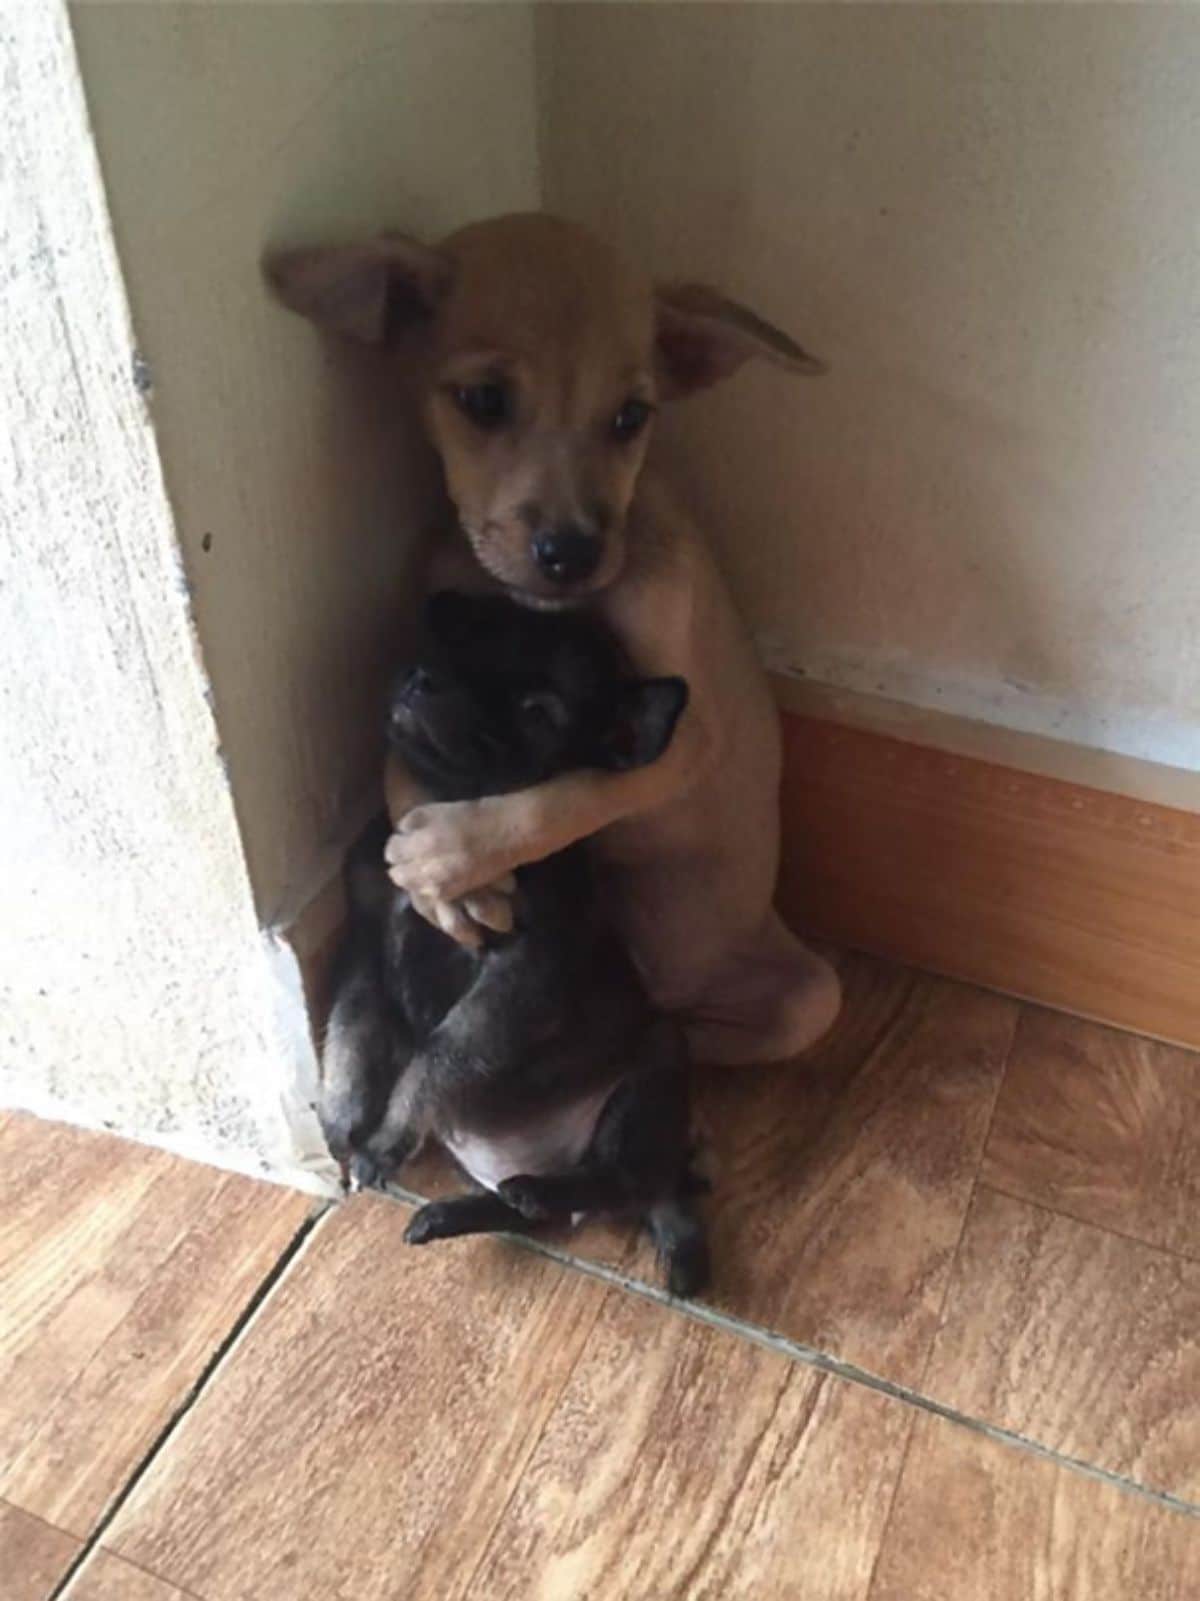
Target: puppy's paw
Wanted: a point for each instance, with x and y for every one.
(426, 1225)
(524, 1194)
(492, 908)
(703, 1163)
(339, 1142)
(688, 1268)
(364, 1172)
(452, 918)
(444, 851)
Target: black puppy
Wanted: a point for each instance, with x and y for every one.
(537, 1060)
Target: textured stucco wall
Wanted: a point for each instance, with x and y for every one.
(135, 988)
(207, 525)
(986, 217)
(296, 497)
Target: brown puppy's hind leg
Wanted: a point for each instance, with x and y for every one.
(771, 999)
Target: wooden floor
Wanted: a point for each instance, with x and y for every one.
(953, 1353)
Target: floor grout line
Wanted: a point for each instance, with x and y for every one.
(485, 1549)
(881, 1543)
(976, 1181)
(1089, 1223)
(188, 1595)
(822, 1362)
(241, 1324)
(950, 1272)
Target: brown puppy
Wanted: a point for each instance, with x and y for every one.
(542, 357)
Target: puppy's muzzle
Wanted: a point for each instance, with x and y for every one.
(567, 555)
(417, 686)
(417, 682)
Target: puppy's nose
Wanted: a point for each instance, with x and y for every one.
(419, 681)
(567, 555)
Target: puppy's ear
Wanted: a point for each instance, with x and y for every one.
(363, 291)
(643, 720)
(702, 337)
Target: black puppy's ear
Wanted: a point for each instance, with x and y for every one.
(643, 721)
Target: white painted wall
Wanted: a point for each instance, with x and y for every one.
(296, 499)
(180, 639)
(988, 219)
(135, 988)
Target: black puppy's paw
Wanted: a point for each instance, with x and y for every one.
(525, 1194)
(428, 1223)
(688, 1268)
(341, 1150)
(364, 1172)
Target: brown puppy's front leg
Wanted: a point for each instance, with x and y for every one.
(445, 852)
(487, 907)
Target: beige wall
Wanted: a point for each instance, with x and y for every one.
(135, 987)
(986, 217)
(220, 126)
(204, 530)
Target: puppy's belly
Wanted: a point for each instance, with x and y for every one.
(552, 1144)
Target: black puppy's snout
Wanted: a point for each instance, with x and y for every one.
(416, 683)
(567, 555)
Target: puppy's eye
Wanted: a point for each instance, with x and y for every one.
(631, 419)
(543, 709)
(488, 405)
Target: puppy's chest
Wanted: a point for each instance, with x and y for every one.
(547, 1143)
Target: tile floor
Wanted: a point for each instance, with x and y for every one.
(952, 1353)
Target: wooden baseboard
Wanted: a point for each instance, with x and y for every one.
(1082, 899)
(1040, 886)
